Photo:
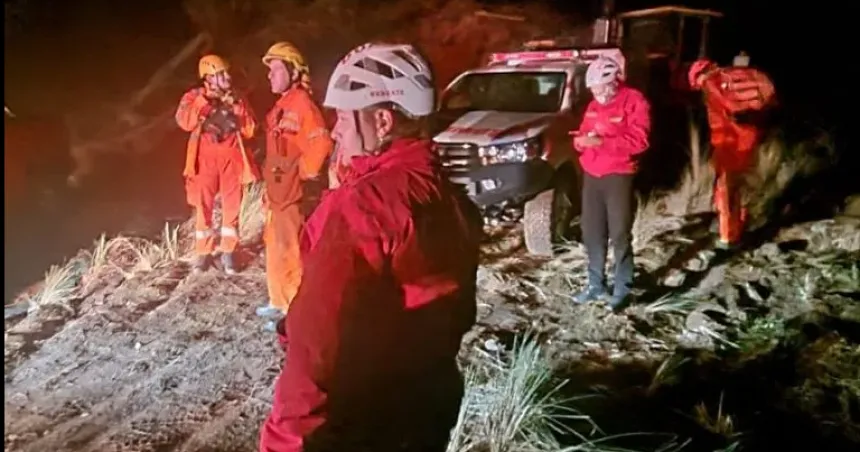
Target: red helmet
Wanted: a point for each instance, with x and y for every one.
(698, 68)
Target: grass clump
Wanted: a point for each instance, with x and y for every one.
(150, 255)
(516, 403)
(58, 289)
(720, 423)
(252, 217)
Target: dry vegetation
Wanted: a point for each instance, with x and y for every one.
(739, 312)
(252, 217)
(515, 399)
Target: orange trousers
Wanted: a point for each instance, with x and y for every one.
(728, 203)
(732, 155)
(283, 255)
(219, 171)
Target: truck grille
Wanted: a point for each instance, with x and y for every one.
(457, 157)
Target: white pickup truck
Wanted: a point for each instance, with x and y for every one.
(506, 140)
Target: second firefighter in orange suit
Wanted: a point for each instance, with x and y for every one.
(730, 95)
(297, 146)
(216, 160)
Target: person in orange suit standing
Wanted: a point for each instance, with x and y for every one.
(297, 146)
(216, 160)
(733, 97)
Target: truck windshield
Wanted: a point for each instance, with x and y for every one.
(537, 92)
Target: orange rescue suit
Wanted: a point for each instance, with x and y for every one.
(297, 146)
(213, 168)
(729, 94)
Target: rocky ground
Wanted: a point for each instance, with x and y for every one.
(124, 350)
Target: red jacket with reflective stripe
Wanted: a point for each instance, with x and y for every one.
(388, 291)
(729, 92)
(624, 124)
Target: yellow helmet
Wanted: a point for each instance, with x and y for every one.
(211, 65)
(288, 53)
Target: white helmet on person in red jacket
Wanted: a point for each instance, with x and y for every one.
(602, 78)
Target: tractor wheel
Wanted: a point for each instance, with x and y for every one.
(546, 218)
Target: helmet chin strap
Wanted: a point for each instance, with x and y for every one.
(381, 147)
(355, 117)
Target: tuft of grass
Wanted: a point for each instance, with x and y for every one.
(512, 404)
(103, 251)
(668, 373)
(58, 288)
(733, 447)
(150, 255)
(252, 217)
(516, 404)
(671, 304)
(170, 241)
(720, 423)
(761, 336)
(99, 254)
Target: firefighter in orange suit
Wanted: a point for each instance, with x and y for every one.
(297, 146)
(733, 96)
(216, 160)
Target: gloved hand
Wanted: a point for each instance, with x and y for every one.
(228, 99)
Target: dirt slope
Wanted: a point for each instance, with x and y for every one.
(161, 360)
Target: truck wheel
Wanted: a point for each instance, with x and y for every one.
(546, 218)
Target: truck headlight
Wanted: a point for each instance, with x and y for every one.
(519, 151)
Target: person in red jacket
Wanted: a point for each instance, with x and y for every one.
(732, 96)
(613, 132)
(388, 291)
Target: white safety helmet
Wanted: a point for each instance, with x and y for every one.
(377, 73)
(601, 71)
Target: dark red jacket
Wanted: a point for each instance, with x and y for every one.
(624, 124)
(388, 291)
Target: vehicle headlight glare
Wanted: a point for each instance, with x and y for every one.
(520, 151)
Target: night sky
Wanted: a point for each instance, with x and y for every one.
(797, 43)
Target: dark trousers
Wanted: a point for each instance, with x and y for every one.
(608, 211)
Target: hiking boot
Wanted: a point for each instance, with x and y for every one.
(591, 293)
(620, 300)
(227, 263)
(279, 327)
(200, 263)
(271, 326)
(268, 311)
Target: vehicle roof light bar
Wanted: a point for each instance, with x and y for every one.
(530, 56)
